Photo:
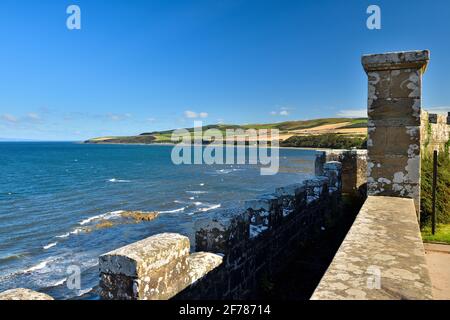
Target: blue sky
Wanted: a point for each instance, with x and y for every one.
(139, 66)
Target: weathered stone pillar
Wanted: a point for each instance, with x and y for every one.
(394, 109)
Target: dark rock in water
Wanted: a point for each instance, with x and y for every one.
(130, 216)
(139, 216)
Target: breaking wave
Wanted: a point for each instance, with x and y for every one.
(114, 180)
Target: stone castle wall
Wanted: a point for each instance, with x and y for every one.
(259, 240)
(354, 170)
(435, 132)
(236, 248)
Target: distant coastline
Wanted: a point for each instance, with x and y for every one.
(327, 133)
(224, 145)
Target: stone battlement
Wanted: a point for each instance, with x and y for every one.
(354, 169)
(245, 244)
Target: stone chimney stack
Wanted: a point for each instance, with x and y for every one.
(394, 110)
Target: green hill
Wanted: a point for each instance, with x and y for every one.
(326, 132)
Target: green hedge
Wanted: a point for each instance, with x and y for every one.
(442, 192)
(333, 141)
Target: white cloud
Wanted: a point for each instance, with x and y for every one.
(33, 116)
(118, 116)
(283, 112)
(353, 113)
(151, 119)
(192, 114)
(9, 118)
(442, 110)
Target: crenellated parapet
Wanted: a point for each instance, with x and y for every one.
(236, 248)
(354, 169)
(260, 238)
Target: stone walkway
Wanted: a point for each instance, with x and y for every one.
(438, 260)
(383, 251)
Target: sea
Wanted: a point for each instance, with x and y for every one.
(61, 205)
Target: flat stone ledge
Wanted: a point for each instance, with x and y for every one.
(156, 268)
(201, 263)
(23, 294)
(149, 254)
(396, 60)
(382, 257)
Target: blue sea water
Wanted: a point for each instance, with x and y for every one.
(52, 195)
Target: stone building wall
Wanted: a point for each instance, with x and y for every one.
(435, 132)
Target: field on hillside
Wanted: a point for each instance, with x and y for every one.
(328, 132)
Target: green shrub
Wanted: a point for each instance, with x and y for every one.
(442, 191)
(333, 141)
(447, 147)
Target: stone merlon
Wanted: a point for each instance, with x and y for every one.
(156, 268)
(150, 253)
(396, 60)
